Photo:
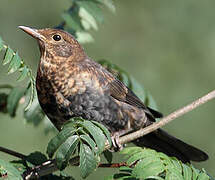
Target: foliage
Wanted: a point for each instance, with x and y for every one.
(149, 164)
(79, 137)
(82, 142)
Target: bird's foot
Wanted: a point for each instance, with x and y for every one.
(116, 146)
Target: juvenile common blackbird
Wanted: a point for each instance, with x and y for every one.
(70, 84)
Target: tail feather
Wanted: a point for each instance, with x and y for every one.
(163, 142)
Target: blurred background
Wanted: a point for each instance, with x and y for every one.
(168, 46)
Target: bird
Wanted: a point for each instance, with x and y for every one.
(70, 84)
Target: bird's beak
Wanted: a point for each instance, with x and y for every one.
(33, 32)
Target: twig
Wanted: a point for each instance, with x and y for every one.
(135, 135)
(13, 153)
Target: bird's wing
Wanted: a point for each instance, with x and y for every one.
(122, 93)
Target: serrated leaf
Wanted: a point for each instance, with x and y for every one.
(73, 22)
(150, 166)
(13, 100)
(93, 9)
(109, 4)
(96, 133)
(24, 73)
(105, 131)
(66, 150)
(61, 137)
(187, 172)
(143, 154)
(87, 19)
(8, 56)
(84, 37)
(89, 141)
(108, 156)
(34, 114)
(9, 171)
(203, 176)
(15, 63)
(87, 160)
(173, 173)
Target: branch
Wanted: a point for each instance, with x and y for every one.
(13, 153)
(167, 119)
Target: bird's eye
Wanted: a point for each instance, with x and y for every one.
(57, 37)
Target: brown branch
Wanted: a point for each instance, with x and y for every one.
(135, 135)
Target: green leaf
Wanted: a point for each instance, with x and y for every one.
(143, 154)
(13, 100)
(24, 73)
(61, 137)
(149, 166)
(34, 114)
(87, 19)
(105, 131)
(131, 150)
(96, 133)
(89, 141)
(36, 158)
(84, 37)
(66, 150)
(187, 172)
(93, 9)
(109, 4)
(1, 44)
(203, 176)
(87, 160)
(173, 173)
(73, 22)
(9, 171)
(108, 156)
(8, 56)
(15, 63)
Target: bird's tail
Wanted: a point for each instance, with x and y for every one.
(171, 146)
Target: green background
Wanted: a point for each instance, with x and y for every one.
(168, 46)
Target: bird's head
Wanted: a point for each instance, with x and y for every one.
(56, 44)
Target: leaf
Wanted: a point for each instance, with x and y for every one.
(13, 100)
(96, 133)
(1, 44)
(15, 63)
(24, 73)
(61, 137)
(93, 9)
(8, 171)
(109, 4)
(87, 160)
(203, 176)
(66, 150)
(36, 158)
(8, 56)
(87, 19)
(89, 141)
(73, 21)
(187, 172)
(149, 166)
(173, 174)
(34, 114)
(105, 131)
(84, 37)
(108, 156)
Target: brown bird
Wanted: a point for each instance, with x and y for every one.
(70, 84)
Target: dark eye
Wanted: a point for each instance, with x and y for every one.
(57, 37)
